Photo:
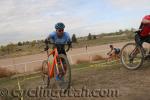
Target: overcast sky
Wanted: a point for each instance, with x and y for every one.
(22, 20)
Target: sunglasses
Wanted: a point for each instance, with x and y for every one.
(61, 30)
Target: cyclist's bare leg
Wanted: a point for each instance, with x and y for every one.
(112, 56)
(146, 47)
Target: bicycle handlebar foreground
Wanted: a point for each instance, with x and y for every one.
(58, 45)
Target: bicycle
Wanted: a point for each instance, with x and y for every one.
(133, 56)
(60, 68)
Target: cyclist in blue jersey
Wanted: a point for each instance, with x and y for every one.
(113, 53)
(59, 37)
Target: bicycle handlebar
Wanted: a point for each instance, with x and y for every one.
(58, 44)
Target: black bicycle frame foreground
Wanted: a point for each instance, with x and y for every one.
(133, 56)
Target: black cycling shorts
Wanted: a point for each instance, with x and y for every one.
(140, 40)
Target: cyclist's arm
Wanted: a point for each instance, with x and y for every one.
(146, 20)
(69, 42)
(109, 52)
(49, 39)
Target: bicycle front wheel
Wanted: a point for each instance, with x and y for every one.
(132, 56)
(64, 72)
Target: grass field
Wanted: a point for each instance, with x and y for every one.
(102, 40)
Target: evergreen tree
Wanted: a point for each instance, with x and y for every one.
(74, 39)
(19, 44)
(89, 36)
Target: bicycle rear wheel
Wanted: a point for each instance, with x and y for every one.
(65, 82)
(45, 75)
(132, 56)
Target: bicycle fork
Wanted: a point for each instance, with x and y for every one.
(57, 67)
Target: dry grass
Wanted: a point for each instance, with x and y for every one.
(4, 72)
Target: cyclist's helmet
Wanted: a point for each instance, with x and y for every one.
(60, 25)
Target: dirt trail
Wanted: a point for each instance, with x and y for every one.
(77, 53)
(74, 55)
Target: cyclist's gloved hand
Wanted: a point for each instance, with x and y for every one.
(69, 43)
(138, 31)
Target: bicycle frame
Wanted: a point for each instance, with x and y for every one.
(54, 63)
(136, 50)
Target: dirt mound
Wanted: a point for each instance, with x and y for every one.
(94, 58)
(4, 72)
(97, 58)
(82, 61)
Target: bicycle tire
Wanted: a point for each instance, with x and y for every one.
(62, 56)
(131, 67)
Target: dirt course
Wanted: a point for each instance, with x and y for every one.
(77, 52)
(132, 85)
(33, 62)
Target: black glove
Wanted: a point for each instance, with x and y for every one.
(69, 43)
(138, 31)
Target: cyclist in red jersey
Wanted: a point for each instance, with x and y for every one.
(144, 31)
